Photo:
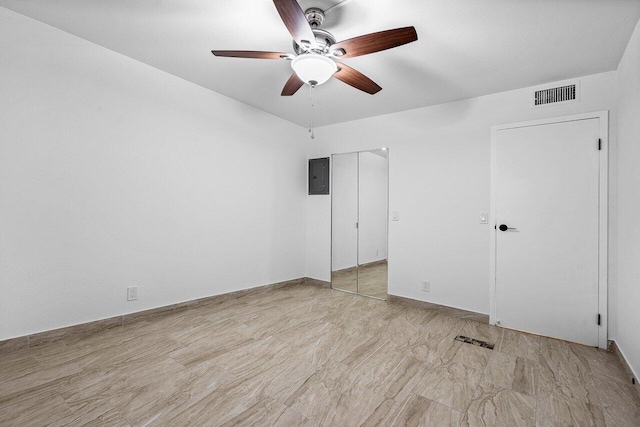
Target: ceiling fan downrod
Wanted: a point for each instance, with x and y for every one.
(315, 17)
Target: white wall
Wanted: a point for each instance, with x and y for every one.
(439, 160)
(628, 204)
(114, 174)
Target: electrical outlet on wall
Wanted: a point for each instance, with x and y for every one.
(426, 286)
(132, 293)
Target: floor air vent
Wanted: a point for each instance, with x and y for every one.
(475, 342)
(554, 95)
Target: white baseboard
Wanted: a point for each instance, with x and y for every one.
(623, 359)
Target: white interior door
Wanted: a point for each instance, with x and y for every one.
(546, 190)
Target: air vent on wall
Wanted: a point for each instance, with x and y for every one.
(555, 95)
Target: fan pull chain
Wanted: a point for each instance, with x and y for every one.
(312, 87)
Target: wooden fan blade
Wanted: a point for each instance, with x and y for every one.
(356, 79)
(252, 54)
(293, 84)
(375, 42)
(295, 21)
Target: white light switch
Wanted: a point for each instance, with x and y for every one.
(395, 216)
(484, 218)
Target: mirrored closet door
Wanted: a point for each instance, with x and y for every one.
(359, 217)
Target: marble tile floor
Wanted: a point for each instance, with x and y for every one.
(311, 356)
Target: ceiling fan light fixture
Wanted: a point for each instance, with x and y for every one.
(313, 69)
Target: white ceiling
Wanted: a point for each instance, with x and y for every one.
(465, 48)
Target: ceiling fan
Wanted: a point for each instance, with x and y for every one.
(316, 50)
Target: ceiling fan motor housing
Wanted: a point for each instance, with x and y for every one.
(324, 40)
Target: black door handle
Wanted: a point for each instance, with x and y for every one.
(503, 227)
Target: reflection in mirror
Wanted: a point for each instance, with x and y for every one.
(344, 218)
(359, 208)
(373, 178)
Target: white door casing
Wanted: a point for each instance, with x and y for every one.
(549, 182)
